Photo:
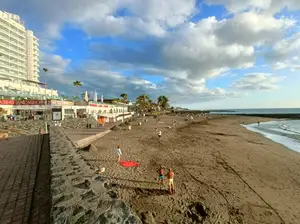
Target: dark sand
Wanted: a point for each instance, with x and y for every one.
(223, 172)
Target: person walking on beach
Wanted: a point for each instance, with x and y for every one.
(159, 134)
(170, 176)
(160, 172)
(119, 153)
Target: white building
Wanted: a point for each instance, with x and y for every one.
(19, 57)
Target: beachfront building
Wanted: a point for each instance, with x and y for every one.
(19, 60)
(64, 109)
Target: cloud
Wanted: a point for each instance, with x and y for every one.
(200, 50)
(257, 81)
(285, 53)
(266, 6)
(101, 18)
(96, 76)
(162, 42)
(56, 66)
(250, 28)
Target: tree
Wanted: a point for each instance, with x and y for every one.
(77, 84)
(64, 97)
(143, 102)
(125, 97)
(163, 102)
(75, 98)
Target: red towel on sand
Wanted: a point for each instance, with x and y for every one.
(129, 163)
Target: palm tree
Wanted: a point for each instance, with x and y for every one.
(125, 97)
(77, 84)
(143, 102)
(64, 97)
(162, 101)
(75, 98)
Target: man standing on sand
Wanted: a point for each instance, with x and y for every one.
(160, 172)
(119, 153)
(170, 176)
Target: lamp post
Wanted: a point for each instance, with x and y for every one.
(46, 125)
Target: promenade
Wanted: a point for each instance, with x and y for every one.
(25, 180)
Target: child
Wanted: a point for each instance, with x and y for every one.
(160, 172)
(119, 153)
(170, 176)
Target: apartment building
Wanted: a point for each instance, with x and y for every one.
(19, 56)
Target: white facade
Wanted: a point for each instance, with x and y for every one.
(19, 56)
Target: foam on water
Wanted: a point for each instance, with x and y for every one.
(285, 132)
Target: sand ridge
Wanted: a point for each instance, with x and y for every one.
(223, 172)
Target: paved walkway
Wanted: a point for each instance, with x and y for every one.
(85, 136)
(19, 169)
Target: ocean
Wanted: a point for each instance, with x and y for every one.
(285, 132)
(258, 111)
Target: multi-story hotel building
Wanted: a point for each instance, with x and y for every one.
(19, 57)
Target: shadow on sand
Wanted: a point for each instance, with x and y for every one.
(133, 181)
(146, 192)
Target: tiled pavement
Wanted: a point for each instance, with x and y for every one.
(21, 164)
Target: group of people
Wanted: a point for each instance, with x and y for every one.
(170, 177)
(161, 172)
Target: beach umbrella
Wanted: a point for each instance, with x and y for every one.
(95, 97)
(86, 97)
(102, 99)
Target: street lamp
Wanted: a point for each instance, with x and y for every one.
(45, 86)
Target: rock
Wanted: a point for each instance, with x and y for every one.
(147, 218)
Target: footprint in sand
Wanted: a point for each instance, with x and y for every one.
(77, 210)
(88, 195)
(62, 198)
(85, 217)
(112, 194)
(84, 185)
(70, 174)
(57, 183)
(58, 210)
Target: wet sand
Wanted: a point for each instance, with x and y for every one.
(223, 172)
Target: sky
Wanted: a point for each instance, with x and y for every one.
(201, 54)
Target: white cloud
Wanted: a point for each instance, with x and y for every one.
(56, 66)
(251, 28)
(267, 6)
(185, 54)
(210, 47)
(285, 53)
(258, 81)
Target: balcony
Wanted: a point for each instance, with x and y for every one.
(16, 33)
(4, 36)
(4, 65)
(6, 46)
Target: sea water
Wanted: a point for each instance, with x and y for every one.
(258, 111)
(285, 132)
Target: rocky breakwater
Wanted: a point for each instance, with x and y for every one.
(78, 194)
(79, 123)
(17, 128)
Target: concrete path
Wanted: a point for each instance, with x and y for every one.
(84, 137)
(23, 162)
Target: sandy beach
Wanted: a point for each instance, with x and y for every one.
(223, 172)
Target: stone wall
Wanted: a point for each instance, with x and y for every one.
(78, 194)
